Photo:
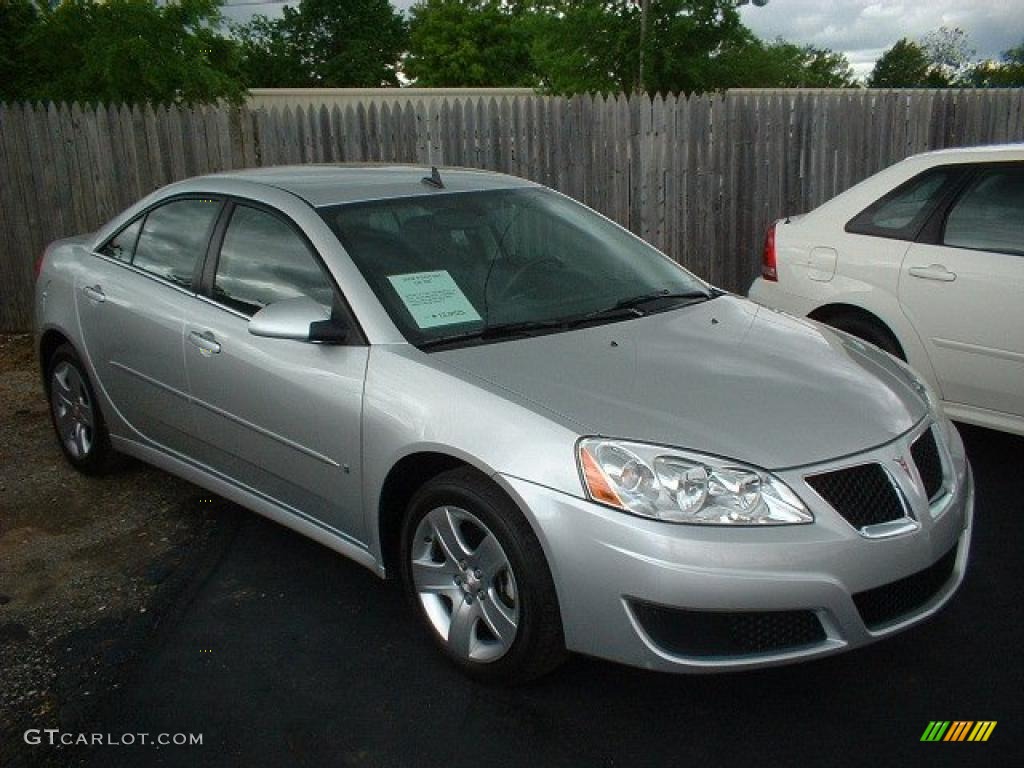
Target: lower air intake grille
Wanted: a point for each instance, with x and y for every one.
(701, 633)
(863, 495)
(885, 604)
(929, 465)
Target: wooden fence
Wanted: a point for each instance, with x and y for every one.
(699, 177)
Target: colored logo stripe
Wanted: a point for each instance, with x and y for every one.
(958, 730)
(982, 730)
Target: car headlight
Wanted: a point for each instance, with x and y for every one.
(683, 487)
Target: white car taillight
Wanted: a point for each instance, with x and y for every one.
(769, 268)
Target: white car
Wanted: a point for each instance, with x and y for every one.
(925, 260)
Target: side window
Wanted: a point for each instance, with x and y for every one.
(902, 212)
(122, 245)
(263, 260)
(989, 216)
(174, 238)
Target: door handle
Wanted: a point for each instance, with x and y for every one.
(94, 293)
(933, 272)
(206, 342)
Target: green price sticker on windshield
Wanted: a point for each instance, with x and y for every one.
(433, 299)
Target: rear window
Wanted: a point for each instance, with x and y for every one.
(903, 212)
(122, 245)
(174, 238)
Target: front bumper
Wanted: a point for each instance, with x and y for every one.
(608, 566)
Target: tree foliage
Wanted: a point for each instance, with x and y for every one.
(942, 59)
(468, 43)
(18, 20)
(906, 65)
(270, 53)
(1007, 73)
(325, 43)
(122, 51)
(779, 64)
(576, 46)
(595, 45)
(950, 54)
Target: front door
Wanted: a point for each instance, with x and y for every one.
(281, 418)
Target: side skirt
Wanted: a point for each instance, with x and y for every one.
(221, 486)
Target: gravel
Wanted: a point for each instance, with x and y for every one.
(83, 560)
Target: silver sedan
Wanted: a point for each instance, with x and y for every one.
(556, 437)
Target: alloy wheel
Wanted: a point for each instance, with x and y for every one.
(465, 584)
(72, 410)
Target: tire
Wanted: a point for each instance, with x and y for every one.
(475, 574)
(75, 413)
(869, 330)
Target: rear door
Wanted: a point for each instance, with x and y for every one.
(279, 417)
(132, 303)
(964, 292)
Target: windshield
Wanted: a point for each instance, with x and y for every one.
(488, 265)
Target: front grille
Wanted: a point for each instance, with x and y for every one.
(863, 495)
(702, 633)
(926, 456)
(890, 602)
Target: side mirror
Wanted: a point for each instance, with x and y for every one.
(298, 319)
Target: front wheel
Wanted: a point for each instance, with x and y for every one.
(476, 575)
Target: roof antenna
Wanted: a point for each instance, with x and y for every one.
(434, 179)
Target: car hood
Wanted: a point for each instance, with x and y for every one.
(725, 377)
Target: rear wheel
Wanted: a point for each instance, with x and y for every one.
(476, 575)
(77, 420)
(869, 330)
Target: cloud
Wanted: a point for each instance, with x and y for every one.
(864, 29)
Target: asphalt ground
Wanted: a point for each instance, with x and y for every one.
(280, 652)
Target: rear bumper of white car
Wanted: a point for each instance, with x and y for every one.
(770, 294)
(700, 599)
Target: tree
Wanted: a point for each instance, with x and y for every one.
(950, 53)
(468, 43)
(129, 51)
(684, 42)
(586, 46)
(595, 45)
(18, 20)
(905, 65)
(270, 53)
(326, 43)
(1008, 73)
(755, 64)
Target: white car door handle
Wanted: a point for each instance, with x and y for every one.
(95, 293)
(206, 342)
(933, 272)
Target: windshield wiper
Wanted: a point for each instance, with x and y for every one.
(633, 306)
(499, 331)
(635, 302)
(625, 309)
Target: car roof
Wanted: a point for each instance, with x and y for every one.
(322, 185)
(976, 154)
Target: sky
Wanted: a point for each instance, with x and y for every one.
(859, 28)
